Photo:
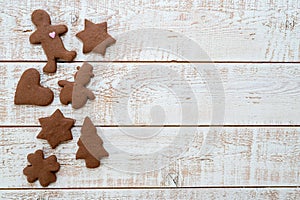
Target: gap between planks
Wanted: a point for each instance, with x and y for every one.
(155, 188)
(168, 126)
(153, 61)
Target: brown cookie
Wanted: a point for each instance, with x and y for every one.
(95, 37)
(65, 95)
(90, 145)
(80, 93)
(30, 92)
(66, 92)
(56, 128)
(41, 169)
(48, 36)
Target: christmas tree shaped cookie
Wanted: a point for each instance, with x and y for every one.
(90, 145)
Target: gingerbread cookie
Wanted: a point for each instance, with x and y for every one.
(41, 169)
(65, 95)
(66, 92)
(90, 145)
(30, 92)
(56, 128)
(48, 36)
(95, 37)
(80, 93)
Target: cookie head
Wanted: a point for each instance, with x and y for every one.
(84, 74)
(40, 18)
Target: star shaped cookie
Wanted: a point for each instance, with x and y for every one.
(56, 128)
(95, 37)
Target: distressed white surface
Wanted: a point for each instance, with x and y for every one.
(199, 194)
(227, 31)
(237, 157)
(255, 94)
(160, 94)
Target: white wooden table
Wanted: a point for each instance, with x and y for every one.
(255, 49)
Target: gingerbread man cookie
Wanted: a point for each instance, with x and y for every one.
(48, 36)
(80, 93)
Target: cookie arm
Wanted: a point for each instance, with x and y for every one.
(60, 29)
(62, 83)
(34, 38)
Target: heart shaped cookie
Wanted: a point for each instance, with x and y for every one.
(30, 92)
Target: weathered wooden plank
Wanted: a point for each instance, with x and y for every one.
(236, 157)
(167, 94)
(227, 31)
(201, 193)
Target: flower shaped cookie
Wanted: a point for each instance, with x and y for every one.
(41, 169)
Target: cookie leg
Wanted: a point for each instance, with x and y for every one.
(50, 67)
(68, 55)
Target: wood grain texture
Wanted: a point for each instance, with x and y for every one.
(142, 93)
(226, 31)
(122, 194)
(166, 94)
(236, 157)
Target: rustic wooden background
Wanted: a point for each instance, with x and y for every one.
(255, 45)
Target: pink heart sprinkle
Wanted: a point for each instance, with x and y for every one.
(52, 35)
